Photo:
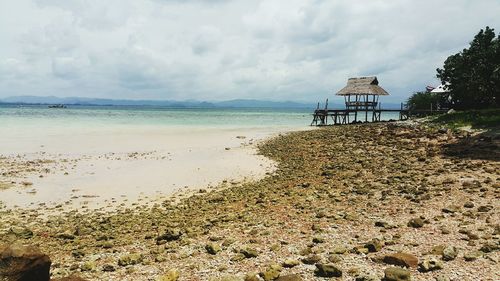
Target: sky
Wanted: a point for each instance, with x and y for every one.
(294, 50)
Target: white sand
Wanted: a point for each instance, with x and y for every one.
(127, 163)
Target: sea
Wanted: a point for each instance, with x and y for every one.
(38, 116)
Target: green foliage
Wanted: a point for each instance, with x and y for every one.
(474, 73)
(424, 101)
(486, 118)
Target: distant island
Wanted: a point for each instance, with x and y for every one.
(236, 103)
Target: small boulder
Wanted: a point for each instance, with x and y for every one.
(213, 248)
(430, 264)
(327, 270)
(451, 209)
(489, 247)
(130, 259)
(367, 278)
(472, 256)
(450, 253)
(18, 262)
(374, 246)
(252, 277)
(20, 232)
(416, 223)
(272, 272)
(311, 259)
(65, 236)
(171, 275)
(396, 274)
(108, 268)
(289, 263)
(249, 252)
(401, 259)
(485, 208)
(88, 266)
(169, 235)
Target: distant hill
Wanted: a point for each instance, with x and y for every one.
(191, 103)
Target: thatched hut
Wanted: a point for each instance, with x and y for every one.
(364, 91)
(362, 94)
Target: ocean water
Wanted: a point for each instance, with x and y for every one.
(12, 116)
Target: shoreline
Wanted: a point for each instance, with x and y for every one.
(95, 169)
(342, 196)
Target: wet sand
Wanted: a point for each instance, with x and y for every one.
(104, 167)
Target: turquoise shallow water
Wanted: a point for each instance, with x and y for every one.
(154, 116)
(14, 116)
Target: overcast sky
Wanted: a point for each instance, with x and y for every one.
(222, 49)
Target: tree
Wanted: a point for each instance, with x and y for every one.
(424, 101)
(474, 73)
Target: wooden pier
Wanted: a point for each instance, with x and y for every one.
(361, 100)
(324, 117)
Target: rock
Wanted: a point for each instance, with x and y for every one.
(430, 264)
(238, 257)
(361, 250)
(472, 256)
(450, 253)
(416, 223)
(252, 277)
(318, 240)
(66, 236)
(130, 259)
(169, 235)
(311, 259)
(367, 278)
(108, 268)
(213, 248)
(374, 246)
(396, 274)
(78, 253)
(451, 209)
(272, 273)
(88, 266)
(401, 259)
(171, 275)
(23, 263)
(383, 224)
(489, 247)
(437, 250)
(334, 258)
(469, 205)
(327, 270)
(291, 277)
(445, 230)
(289, 263)
(20, 232)
(484, 209)
(249, 252)
(339, 250)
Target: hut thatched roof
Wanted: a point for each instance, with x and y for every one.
(362, 86)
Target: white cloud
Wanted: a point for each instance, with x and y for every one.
(300, 50)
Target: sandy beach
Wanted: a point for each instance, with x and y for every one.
(97, 167)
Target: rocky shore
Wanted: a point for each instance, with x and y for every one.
(358, 202)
